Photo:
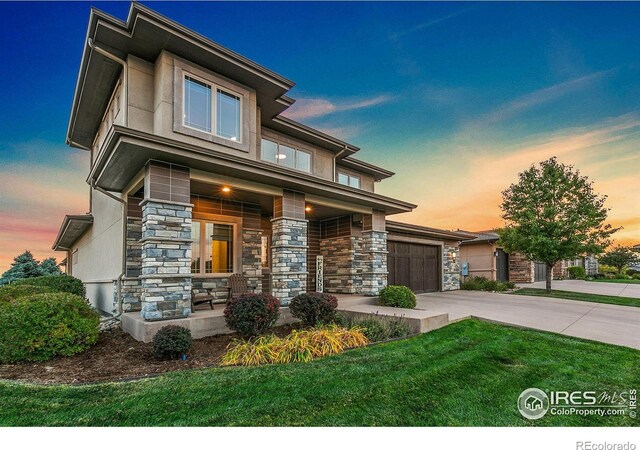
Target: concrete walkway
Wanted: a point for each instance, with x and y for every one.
(590, 287)
(612, 324)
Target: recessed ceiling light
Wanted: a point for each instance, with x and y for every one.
(307, 208)
(226, 189)
(281, 156)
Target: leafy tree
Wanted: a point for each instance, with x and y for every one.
(50, 266)
(23, 266)
(619, 257)
(552, 214)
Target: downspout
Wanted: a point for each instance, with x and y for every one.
(335, 158)
(125, 72)
(124, 242)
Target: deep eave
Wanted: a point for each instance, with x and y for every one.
(73, 226)
(308, 134)
(145, 34)
(400, 227)
(378, 173)
(126, 151)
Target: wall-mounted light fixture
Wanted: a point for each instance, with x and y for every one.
(226, 189)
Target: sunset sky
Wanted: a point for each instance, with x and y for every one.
(456, 98)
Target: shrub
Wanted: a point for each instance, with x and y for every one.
(484, 284)
(171, 342)
(298, 346)
(252, 314)
(577, 273)
(607, 270)
(636, 276)
(314, 307)
(398, 297)
(58, 283)
(377, 328)
(622, 276)
(10, 292)
(41, 326)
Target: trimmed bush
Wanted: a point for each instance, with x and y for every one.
(484, 284)
(252, 314)
(41, 326)
(398, 297)
(298, 346)
(10, 292)
(377, 328)
(171, 342)
(314, 307)
(58, 283)
(577, 273)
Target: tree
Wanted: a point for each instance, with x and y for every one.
(23, 266)
(50, 266)
(619, 257)
(553, 214)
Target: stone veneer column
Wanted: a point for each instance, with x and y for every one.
(451, 267)
(166, 242)
(374, 253)
(289, 247)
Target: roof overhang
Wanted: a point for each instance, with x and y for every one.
(311, 135)
(145, 34)
(71, 229)
(434, 233)
(378, 173)
(126, 151)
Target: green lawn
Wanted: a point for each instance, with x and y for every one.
(611, 299)
(611, 280)
(469, 373)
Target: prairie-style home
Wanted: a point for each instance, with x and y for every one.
(196, 174)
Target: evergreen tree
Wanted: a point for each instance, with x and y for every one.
(50, 266)
(23, 266)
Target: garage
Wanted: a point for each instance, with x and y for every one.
(414, 265)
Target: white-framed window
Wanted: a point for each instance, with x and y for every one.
(349, 180)
(212, 247)
(285, 155)
(212, 109)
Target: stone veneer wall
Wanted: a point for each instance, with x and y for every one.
(374, 261)
(343, 264)
(166, 260)
(520, 268)
(590, 265)
(288, 258)
(131, 293)
(450, 267)
(251, 258)
(559, 270)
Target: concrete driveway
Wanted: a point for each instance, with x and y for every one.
(612, 324)
(591, 287)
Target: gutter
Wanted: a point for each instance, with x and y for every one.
(335, 159)
(124, 242)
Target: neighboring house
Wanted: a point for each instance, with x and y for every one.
(196, 175)
(485, 257)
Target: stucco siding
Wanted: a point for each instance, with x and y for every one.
(98, 257)
(481, 259)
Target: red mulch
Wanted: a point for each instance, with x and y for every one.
(117, 356)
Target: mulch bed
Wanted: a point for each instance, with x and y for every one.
(116, 357)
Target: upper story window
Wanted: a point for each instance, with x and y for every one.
(286, 156)
(349, 180)
(200, 107)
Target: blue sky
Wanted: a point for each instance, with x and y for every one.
(456, 98)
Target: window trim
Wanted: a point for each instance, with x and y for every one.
(349, 177)
(203, 218)
(215, 87)
(296, 150)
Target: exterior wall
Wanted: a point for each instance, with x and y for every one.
(167, 107)
(99, 252)
(450, 266)
(520, 268)
(590, 265)
(289, 258)
(374, 261)
(140, 94)
(481, 259)
(367, 182)
(343, 264)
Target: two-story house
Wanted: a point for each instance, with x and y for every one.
(195, 174)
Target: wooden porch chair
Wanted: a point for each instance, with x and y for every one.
(199, 299)
(238, 285)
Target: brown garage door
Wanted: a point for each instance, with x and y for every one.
(414, 265)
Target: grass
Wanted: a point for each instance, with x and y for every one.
(613, 280)
(469, 373)
(610, 299)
